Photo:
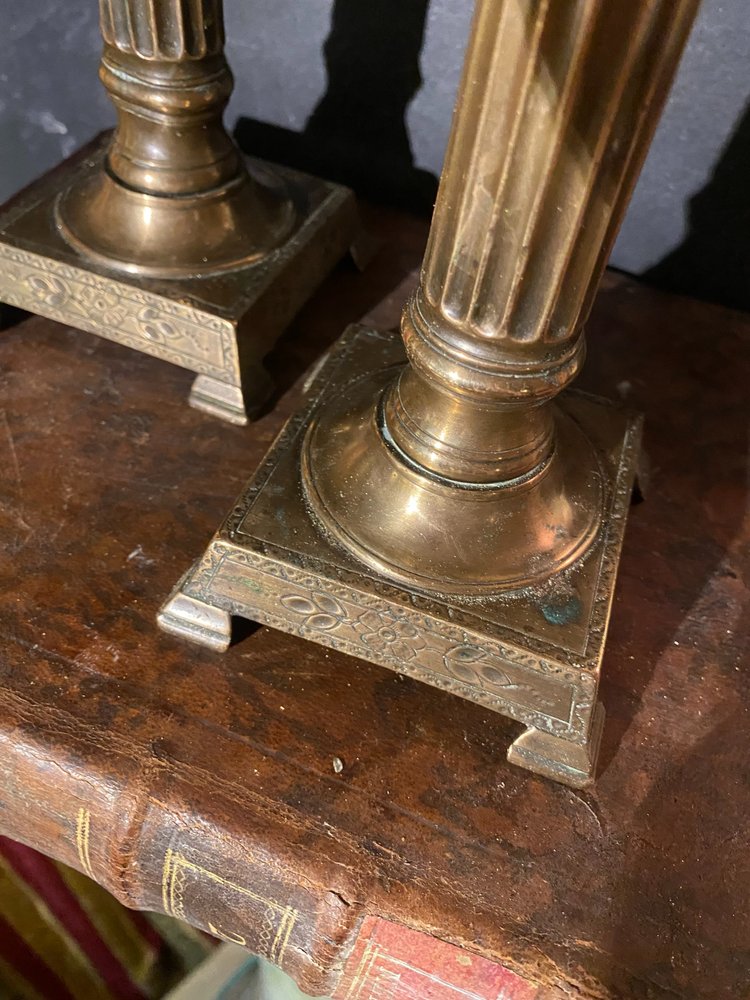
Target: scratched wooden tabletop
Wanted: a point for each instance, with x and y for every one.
(116, 740)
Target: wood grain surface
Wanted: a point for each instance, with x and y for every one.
(205, 785)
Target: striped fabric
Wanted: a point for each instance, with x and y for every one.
(63, 937)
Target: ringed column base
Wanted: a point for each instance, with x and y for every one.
(533, 655)
(219, 325)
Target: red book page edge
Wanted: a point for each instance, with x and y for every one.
(391, 962)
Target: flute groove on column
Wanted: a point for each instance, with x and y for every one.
(169, 30)
(533, 171)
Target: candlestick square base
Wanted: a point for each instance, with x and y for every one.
(533, 655)
(218, 325)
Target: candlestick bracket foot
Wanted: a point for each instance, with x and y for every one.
(573, 764)
(219, 324)
(533, 655)
(196, 620)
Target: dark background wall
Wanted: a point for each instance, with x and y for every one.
(364, 91)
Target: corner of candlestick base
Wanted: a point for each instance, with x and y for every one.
(572, 764)
(533, 656)
(195, 620)
(226, 401)
(218, 324)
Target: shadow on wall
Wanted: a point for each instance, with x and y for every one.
(357, 135)
(713, 261)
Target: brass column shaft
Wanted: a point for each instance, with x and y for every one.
(164, 69)
(556, 108)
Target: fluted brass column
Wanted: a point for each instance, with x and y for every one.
(467, 477)
(175, 197)
(163, 236)
(458, 518)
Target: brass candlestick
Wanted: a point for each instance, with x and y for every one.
(454, 518)
(164, 237)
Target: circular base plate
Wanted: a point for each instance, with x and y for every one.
(155, 236)
(432, 535)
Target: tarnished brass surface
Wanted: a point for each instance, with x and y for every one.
(174, 197)
(491, 489)
(221, 250)
(532, 655)
(460, 473)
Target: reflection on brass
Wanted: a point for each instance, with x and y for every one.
(454, 518)
(165, 238)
